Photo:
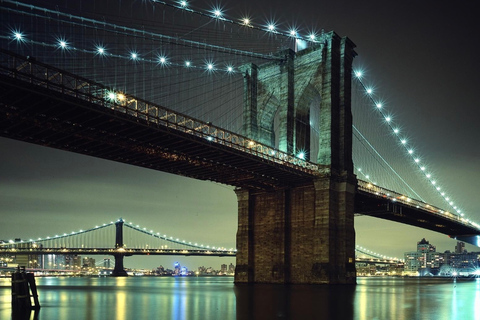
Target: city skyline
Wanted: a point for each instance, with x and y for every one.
(422, 60)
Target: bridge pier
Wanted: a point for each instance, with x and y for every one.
(302, 235)
(118, 270)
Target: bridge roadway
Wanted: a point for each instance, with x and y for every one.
(147, 252)
(51, 107)
(47, 106)
(121, 251)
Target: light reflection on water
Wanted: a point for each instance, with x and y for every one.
(218, 298)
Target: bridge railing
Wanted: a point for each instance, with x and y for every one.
(398, 197)
(29, 70)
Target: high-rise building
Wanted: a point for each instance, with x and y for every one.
(425, 258)
(460, 247)
(425, 246)
(88, 262)
(223, 268)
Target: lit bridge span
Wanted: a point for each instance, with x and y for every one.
(124, 128)
(94, 241)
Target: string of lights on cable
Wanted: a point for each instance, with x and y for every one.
(410, 150)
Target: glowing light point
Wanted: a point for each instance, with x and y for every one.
(134, 56)
(379, 105)
(217, 13)
(396, 130)
(188, 63)
(293, 32)
(410, 151)
(111, 95)
(162, 60)
(358, 74)
(246, 21)
(210, 66)
(404, 141)
(100, 50)
(18, 36)
(301, 155)
(369, 91)
(388, 119)
(423, 168)
(63, 44)
(417, 160)
(229, 69)
(271, 27)
(312, 36)
(183, 4)
(434, 182)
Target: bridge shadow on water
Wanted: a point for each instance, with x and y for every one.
(265, 301)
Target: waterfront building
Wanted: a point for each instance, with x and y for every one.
(426, 261)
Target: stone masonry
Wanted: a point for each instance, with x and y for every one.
(302, 234)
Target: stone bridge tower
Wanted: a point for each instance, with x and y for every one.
(303, 233)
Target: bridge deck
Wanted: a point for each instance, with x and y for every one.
(382, 206)
(31, 111)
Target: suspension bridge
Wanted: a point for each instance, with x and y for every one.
(124, 239)
(199, 95)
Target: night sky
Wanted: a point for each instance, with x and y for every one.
(419, 55)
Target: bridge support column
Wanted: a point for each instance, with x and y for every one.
(301, 235)
(119, 270)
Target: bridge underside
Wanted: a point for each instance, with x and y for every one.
(34, 114)
(384, 208)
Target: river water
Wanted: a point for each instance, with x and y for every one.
(212, 298)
